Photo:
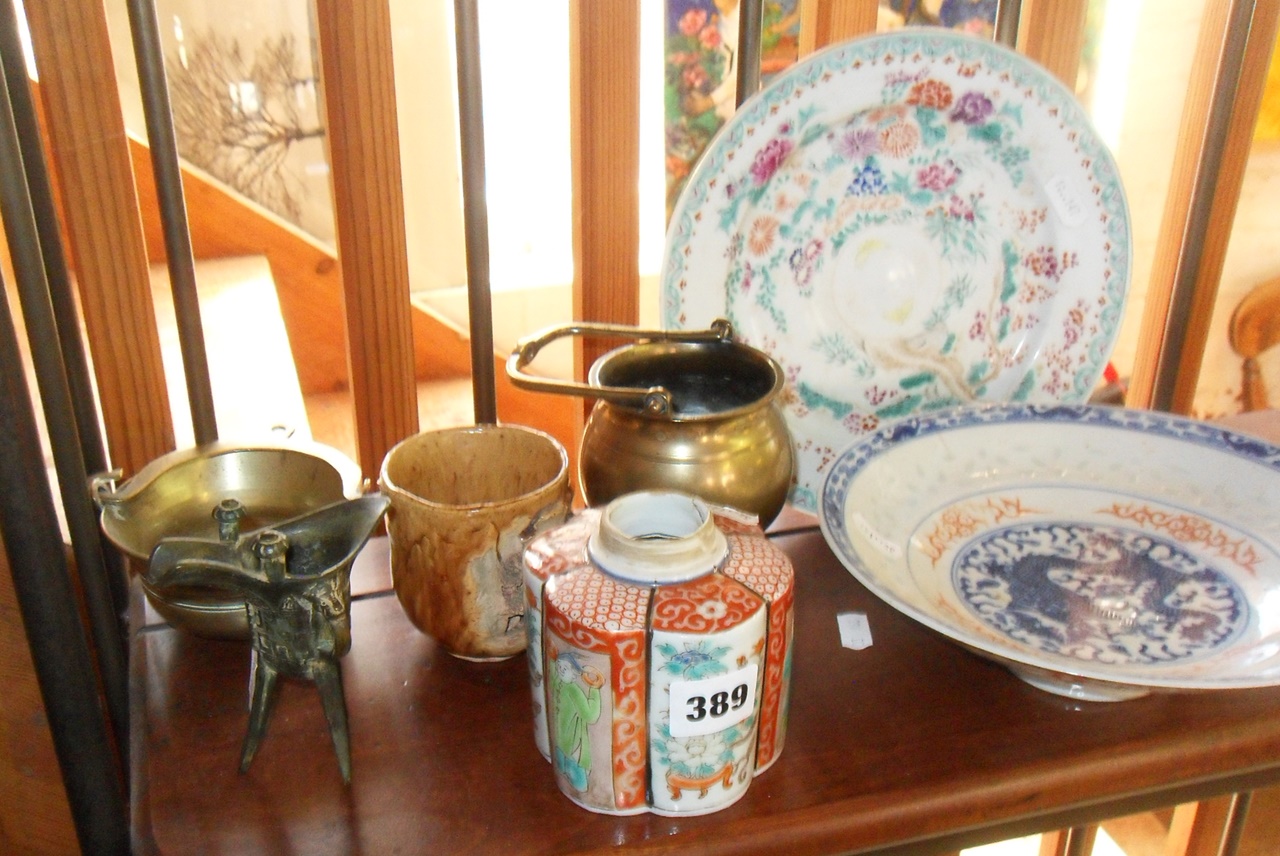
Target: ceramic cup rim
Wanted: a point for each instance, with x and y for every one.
(388, 486)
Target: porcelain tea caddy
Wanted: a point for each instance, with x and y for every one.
(659, 653)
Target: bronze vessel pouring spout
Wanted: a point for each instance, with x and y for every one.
(173, 495)
(295, 577)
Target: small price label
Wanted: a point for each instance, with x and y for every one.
(1066, 202)
(855, 630)
(712, 704)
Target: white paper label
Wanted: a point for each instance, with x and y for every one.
(1066, 202)
(712, 704)
(855, 630)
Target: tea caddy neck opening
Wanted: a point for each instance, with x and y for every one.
(656, 538)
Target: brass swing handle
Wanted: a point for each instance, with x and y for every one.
(655, 400)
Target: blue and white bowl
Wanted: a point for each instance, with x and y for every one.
(1098, 553)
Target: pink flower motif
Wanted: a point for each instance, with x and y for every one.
(961, 209)
(979, 326)
(694, 76)
(769, 158)
(692, 22)
(938, 176)
(709, 38)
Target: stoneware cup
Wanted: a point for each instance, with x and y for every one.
(464, 504)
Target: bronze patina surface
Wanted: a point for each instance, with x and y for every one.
(295, 579)
(179, 495)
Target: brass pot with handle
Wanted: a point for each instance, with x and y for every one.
(692, 411)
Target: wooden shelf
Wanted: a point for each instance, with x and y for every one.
(912, 745)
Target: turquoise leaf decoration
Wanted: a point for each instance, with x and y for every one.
(815, 400)
(901, 407)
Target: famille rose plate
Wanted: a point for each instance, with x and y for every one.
(1098, 553)
(905, 222)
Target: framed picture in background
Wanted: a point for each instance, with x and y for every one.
(701, 45)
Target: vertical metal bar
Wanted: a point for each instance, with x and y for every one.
(74, 359)
(1076, 841)
(1008, 16)
(64, 667)
(1237, 815)
(46, 354)
(1182, 298)
(475, 209)
(1079, 841)
(750, 27)
(173, 213)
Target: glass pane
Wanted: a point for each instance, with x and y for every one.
(700, 75)
(244, 86)
(971, 16)
(1251, 263)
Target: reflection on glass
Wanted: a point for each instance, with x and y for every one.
(243, 84)
(971, 16)
(700, 75)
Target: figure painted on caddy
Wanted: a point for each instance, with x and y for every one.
(575, 704)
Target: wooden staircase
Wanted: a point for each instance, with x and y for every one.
(308, 287)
